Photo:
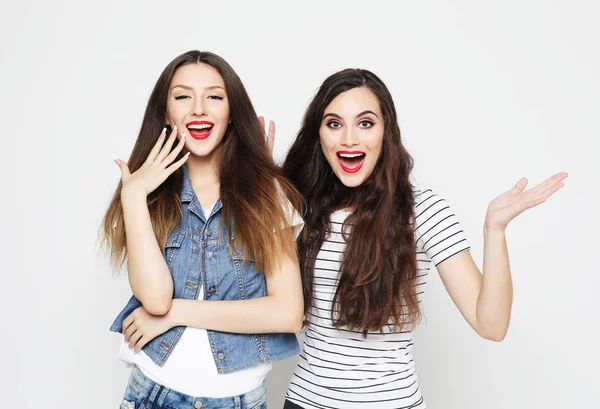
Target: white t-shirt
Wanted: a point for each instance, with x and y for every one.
(339, 368)
(191, 368)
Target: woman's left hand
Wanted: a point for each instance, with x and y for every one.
(141, 327)
(509, 205)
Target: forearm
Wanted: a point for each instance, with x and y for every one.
(254, 316)
(149, 275)
(494, 302)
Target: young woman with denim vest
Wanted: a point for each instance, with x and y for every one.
(206, 224)
(370, 239)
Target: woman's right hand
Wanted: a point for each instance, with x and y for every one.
(157, 167)
(270, 136)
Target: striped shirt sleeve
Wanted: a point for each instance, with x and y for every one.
(292, 217)
(437, 230)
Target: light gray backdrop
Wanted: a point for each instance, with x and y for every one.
(486, 92)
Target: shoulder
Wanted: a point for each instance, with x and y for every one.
(437, 229)
(422, 194)
(292, 216)
(424, 199)
(430, 208)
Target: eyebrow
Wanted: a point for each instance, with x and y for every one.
(359, 115)
(191, 89)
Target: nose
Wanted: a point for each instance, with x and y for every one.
(349, 138)
(199, 107)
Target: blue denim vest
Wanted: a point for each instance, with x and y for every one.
(197, 252)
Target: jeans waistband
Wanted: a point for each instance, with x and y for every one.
(161, 395)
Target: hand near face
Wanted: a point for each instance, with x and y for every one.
(270, 134)
(510, 204)
(157, 167)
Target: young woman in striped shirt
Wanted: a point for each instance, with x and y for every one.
(370, 239)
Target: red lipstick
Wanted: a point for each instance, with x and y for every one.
(200, 130)
(351, 161)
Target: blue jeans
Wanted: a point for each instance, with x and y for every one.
(143, 393)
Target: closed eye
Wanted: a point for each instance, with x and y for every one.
(178, 97)
(217, 97)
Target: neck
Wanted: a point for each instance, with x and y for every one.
(203, 170)
(204, 176)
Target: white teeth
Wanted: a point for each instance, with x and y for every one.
(350, 155)
(200, 127)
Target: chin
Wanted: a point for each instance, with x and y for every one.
(350, 181)
(200, 153)
(201, 149)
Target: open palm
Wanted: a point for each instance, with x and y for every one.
(157, 167)
(510, 204)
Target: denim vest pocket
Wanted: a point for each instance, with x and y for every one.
(173, 245)
(252, 282)
(237, 253)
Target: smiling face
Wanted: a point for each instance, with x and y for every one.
(197, 104)
(351, 135)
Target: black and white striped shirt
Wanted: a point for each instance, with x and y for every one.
(339, 368)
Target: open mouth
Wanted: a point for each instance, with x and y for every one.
(351, 161)
(200, 129)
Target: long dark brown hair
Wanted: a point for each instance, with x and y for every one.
(379, 267)
(248, 175)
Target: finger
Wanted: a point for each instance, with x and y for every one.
(261, 121)
(177, 164)
(534, 202)
(156, 148)
(123, 166)
(129, 332)
(141, 343)
(549, 182)
(135, 337)
(552, 190)
(271, 136)
(166, 149)
(516, 190)
(520, 185)
(127, 322)
(173, 155)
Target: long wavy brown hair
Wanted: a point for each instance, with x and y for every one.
(249, 177)
(379, 268)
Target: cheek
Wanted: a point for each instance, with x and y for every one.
(175, 113)
(375, 144)
(327, 140)
(222, 112)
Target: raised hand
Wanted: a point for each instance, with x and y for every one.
(510, 204)
(270, 135)
(157, 167)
